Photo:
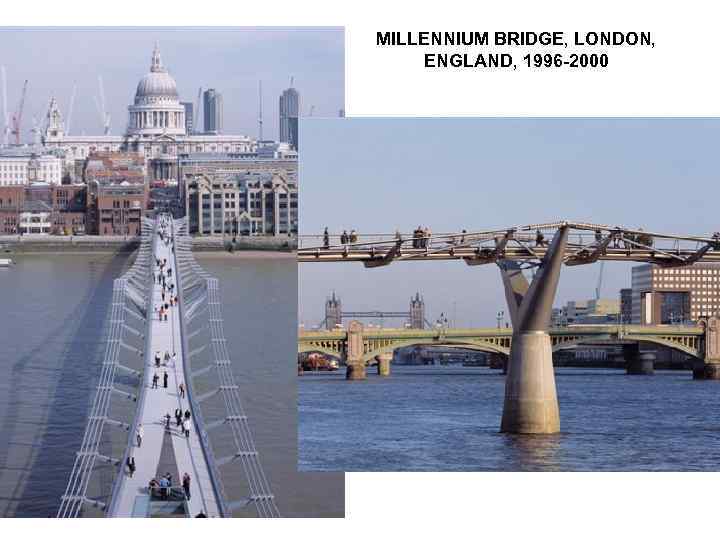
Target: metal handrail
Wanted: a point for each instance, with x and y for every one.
(246, 450)
(117, 484)
(194, 406)
(75, 495)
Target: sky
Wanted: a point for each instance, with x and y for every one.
(231, 60)
(377, 175)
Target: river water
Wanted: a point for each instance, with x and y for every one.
(447, 418)
(52, 311)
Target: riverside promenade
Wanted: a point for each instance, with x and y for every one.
(131, 497)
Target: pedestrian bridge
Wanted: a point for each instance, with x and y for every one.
(687, 339)
(167, 303)
(530, 404)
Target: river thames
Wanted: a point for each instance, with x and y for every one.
(53, 323)
(447, 418)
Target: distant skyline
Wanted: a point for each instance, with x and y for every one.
(380, 174)
(231, 60)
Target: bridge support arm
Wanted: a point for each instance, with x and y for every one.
(531, 404)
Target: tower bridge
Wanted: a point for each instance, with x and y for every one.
(530, 404)
(334, 314)
(144, 323)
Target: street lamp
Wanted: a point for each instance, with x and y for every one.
(500, 317)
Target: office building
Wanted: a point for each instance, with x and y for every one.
(626, 305)
(289, 116)
(674, 295)
(189, 116)
(595, 311)
(25, 165)
(212, 111)
(250, 203)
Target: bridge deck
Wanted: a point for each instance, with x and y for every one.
(154, 404)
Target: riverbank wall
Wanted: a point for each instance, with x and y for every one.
(127, 244)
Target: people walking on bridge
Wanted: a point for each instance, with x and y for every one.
(326, 238)
(187, 414)
(344, 237)
(164, 487)
(186, 485)
(174, 357)
(186, 427)
(162, 295)
(167, 357)
(181, 388)
(139, 435)
(155, 380)
(178, 417)
(165, 379)
(353, 237)
(130, 462)
(167, 421)
(157, 359)
(540, 239)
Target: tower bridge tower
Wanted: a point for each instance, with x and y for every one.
(333, 312)
(417, 312)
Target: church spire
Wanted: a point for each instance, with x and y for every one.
(156, 65)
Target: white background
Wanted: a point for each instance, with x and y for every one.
(679, 77)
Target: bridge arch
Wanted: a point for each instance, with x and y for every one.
(484, 346)
(328, 349)
(689, 345)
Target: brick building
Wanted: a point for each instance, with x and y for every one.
(42, 209)
(116, 209)
(117, 193)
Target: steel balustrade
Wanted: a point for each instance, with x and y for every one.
(192, 276)
(124, 296)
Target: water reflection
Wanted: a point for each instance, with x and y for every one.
(534, 452)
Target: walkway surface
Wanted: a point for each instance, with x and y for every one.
(155, 403)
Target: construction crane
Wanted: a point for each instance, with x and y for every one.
(260, 112)
(36, 130)
(70, 109)
(17, 116)
(100, 104)
(6, 118)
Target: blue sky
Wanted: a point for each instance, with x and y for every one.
(377, 175)
(232, 60)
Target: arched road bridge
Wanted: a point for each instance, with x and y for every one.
(530, 404)
(379, 344)
(144, 323)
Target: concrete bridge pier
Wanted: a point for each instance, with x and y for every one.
(383, 364)
(355, 364)
(638, 362)
(531, 404)
(709, 369)
(355, 371)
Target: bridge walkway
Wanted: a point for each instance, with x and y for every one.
(155, 403)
